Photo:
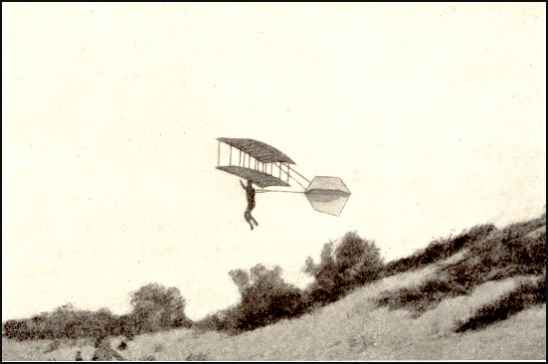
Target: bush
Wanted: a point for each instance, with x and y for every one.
(211, 322)
(353, 263)
(16, 329)
(154, 308)
(514, 245)
(524, 227)
(63, 322)
(422, 297)
(507, 253)
(439, 249)
(265, 298)
(525, 295)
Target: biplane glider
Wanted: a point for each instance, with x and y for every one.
(266, 167)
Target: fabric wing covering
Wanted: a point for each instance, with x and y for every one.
(262, 152)
(328, 195)
(259, 178)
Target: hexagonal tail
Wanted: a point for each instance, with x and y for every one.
(327, 195)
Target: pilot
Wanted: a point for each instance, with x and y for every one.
(250, 194)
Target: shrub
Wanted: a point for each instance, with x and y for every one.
(353, 263)
(422, 297)
(156, 307)
(15, 329)
(211, 322)
(525, 295)
(524, 227)
(63, 322)
(507, 253)
(265, 299)
(439, 249)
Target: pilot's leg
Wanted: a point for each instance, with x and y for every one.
(250, 209)
(253, 219)
(248, 218)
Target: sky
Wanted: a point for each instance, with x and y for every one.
(433, 115)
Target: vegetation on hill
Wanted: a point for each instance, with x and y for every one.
(439, 249)
(266, 298)
(486, 254)
(355, 261)
(501, 254)
(527, 294)
(155, 308)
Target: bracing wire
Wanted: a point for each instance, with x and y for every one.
(293, 178)
(263, 191)
(300, 175)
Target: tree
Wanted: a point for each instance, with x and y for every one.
(265, 298)
(354, 262)
(156, 307)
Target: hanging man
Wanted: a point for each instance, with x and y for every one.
(250, 194)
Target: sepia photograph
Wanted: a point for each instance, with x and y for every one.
(324, 181)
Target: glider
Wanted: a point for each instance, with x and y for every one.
(267, 167)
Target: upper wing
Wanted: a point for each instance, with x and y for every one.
(262, 152)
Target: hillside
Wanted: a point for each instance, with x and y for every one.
(481, 299)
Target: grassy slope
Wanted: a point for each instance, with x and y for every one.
(354, 328)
